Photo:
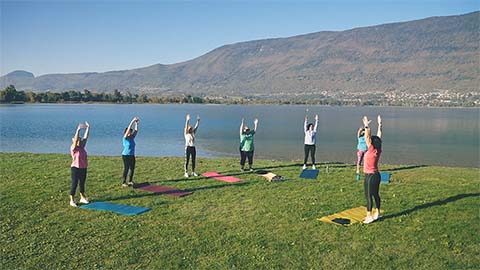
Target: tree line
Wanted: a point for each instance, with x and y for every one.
(11, 95)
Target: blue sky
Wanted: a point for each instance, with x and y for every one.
(94, 36)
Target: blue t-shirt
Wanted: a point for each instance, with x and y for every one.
(129, 146)
(362, 144)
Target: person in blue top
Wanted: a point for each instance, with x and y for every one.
(128, 153)
(361, 149)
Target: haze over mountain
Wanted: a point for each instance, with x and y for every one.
(415, 56)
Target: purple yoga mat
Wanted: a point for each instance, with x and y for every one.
(162, 190)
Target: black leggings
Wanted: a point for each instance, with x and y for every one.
(372, 186)
(190, 151)
(128, 163)
(244, 155)
(78, 178)
(311, 149)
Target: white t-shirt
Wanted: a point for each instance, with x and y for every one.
(310, 135)
(189, 139)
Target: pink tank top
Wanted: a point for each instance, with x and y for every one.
(370, 162)
(79, 157)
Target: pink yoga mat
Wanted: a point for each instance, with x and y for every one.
(163, 190)
(221, 177)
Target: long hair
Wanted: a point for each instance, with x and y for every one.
(377, 142)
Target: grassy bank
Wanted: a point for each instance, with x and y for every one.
(431, 218)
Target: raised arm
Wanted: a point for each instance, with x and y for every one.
(187, 120)
(379, 130)
(135, 131)
(255, 124)
(197, 124)
(127, 132)
(305, 124)
(316, 123)
(76, 137)
(242, 124)
(359, 132)
(87, 130)
(368, 139)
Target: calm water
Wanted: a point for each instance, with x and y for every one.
(411, 135)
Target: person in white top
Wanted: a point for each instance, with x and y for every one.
(310, 136)
(189, 133)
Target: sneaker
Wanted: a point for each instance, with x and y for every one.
(72, 203)
(131, 183)
(251, 169)
(313, 167)
(304, 166)
(194, 174)
(242, 169)
(124, 185)
(84, 200)
(376, 215)
(368, 220)
(186, 174)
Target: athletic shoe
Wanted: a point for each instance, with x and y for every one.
(251, 169)
(368, 220)
(186, 174)
(313, 167)
(84, 201)
(242, 169)
(131, 183)
(376, 215)
(194, 174)
(124, 185)
(304, 166)
(72, 203)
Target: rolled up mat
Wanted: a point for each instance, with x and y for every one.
(221, 177)
(173, 192)
(116, 208)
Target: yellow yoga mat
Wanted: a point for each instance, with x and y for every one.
(347, 217)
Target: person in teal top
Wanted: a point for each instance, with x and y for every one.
(128, 153)
(246, 144)
(361, 149)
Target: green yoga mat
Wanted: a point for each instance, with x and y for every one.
(116, 208)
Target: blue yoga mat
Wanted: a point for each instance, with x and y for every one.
(385, 177)
(311, 174)
(116, 208)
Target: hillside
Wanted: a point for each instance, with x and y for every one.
(416, 56)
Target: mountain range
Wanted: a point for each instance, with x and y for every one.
(416, 56)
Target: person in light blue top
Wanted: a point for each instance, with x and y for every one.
(128, 153)
(361, 149)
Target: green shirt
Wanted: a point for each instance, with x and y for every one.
(246, 141)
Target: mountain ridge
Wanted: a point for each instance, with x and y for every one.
(422, 55)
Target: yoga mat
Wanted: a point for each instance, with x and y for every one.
(221, 177)
(347, 217)
(311, 174)
(385, 177)
(162, 190)
(116, 208)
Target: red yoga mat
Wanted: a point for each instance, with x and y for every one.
(221, 177)
(162, 190)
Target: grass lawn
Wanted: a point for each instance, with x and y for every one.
(431, 218)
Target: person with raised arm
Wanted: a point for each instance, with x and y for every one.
(310, 138)
(128, 153)
(370, 168)
(78, 168)
(361, 149)
(246, 144)
(190, 151)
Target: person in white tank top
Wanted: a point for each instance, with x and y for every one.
(189, 134)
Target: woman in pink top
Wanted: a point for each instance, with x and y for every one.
(370, 168)
(79, 164)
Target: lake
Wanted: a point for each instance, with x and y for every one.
(431, 136)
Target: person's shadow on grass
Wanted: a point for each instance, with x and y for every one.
(430, 204)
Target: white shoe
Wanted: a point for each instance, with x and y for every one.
(186, 174)
(313, 167)
(194, 174)
(376, 215)
(84, 201)
(131, 183)
(72, 203)
(124, 185)
(304, 166)
(368, 220)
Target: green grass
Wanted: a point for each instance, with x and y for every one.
(431, 218)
